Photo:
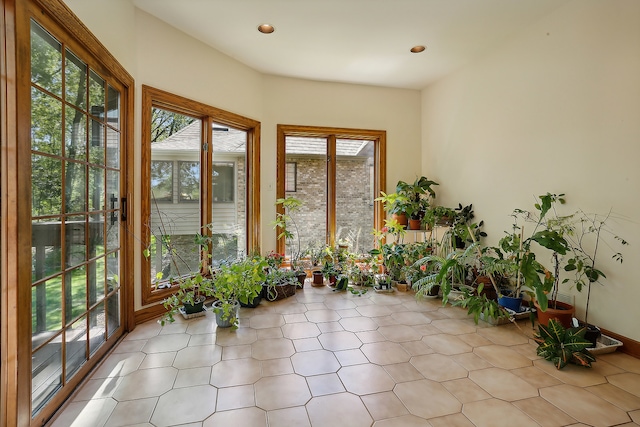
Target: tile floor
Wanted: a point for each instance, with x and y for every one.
(322, 358)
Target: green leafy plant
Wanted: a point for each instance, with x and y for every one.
(240, 281)
(288, 229)
(563, 346)
(418, 195)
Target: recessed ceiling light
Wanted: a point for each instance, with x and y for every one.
(266, 28)
(418, 49)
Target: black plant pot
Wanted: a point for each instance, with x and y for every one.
(194, 308)
(253, 303)
(592, 334)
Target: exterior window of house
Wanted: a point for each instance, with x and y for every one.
(339, 171)
(162, 180)
(189, 181)
(291, 177)
(223, 182)
(209, 156)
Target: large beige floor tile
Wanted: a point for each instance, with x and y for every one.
(263, 321)
(132, 412)
(496, 413)
(504, 335)
(466, 390)
(403, 372)
(455, 420)
(240, 336)
(343, 409)
(417, 348)
(455, 326)
(119, 365)
(438, 367)
(399, 333)
(584, 406)
(194, 357)
(447, 344)
(272, 349)
(192, 377)
(321, 385)
(350, 357)
(384, 405)
(164, 343)
(289, 417)
(571, 374)
(411, 318)
(385, 353)
(628, 382)
(544, 412)
(146, 383)
(86, 413)
(616, 395)
(358, 324)
(229, 373)
(342, 340)
(427, 399)
(502, 356)
(242, 396)
(315, 362)
(318, 316)
(283, 391)
(374, 310)
(185, 405)
(296, 331)
(366, 379)
(503, 384)
(251, 417)
(403, 421)
(470, 361)
(536, 377)
(622, 361)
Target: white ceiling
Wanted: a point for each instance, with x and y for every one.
(353, 41)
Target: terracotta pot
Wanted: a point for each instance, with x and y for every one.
(318, 279)
(563, 313)
(414, 224)
(402, 287)
(401, 218)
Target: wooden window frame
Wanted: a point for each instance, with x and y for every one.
(15, 252)
(378, 137)
(157, 98)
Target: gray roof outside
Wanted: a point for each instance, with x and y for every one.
(230, 140)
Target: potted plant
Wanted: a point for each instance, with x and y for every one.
(279, 284)
(330, 271)
(418, 196)
(562, 346)
(463, 226)
(193, 288)
(395, 204)
(439, 215)
(288, 230)
(240, 281)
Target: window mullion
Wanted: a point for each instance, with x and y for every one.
(331, 190)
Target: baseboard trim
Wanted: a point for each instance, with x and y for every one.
(629, 346)
(149, 313)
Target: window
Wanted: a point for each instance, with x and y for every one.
(162, 180)
(223, 182)
(210, 157)
(291, 177)
(189, 181)
(336, 182)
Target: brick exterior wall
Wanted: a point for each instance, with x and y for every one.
(354, 200)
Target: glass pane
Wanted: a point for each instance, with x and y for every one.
(46, 60)
(76, 245)
(113, 270)
(75, 187)
(175, 138)
(75, 136)
(96, 95)
(223, 182)
(76, 346)
(96, 235)
(113, 235)
(113, 107)
(46, 374)
(75, 81)
(46, 255)
(113, 313)
(162, 181)
(189, 181)
(354, 194)
(113, 148)
(96, 328)
(46, 311)
(46, 129)
(310, 154)
(96, 189)
(46, 186)
(229, 192)
(97, 284)
(96, 139)
(75, 293)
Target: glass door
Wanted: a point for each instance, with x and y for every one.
(75, 214)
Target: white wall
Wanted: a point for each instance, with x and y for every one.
(158, 55)
(555, 109)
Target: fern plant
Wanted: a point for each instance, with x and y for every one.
(563, 346)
